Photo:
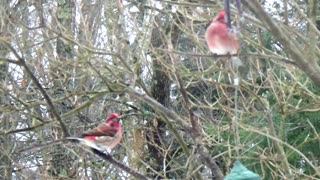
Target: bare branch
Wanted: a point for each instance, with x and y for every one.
(108, 157)
(195, 130)
(309, 66)
(51, 107)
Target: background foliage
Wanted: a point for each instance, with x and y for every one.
(66, 64)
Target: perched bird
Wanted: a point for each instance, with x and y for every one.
(219, 40)
(104, 137)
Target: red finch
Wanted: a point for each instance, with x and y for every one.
(105, 136)
(220, 41)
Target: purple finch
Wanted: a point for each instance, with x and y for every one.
(220, 41)
(105, 136)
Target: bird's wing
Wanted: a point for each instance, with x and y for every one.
(102, 130)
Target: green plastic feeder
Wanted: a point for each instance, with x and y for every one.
(240, 172)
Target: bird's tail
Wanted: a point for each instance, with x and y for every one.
(86, 143)
(74, 139)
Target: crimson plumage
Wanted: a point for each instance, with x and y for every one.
(105, 136)
(219, 40)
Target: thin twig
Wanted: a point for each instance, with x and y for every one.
(26, 129)
(108, 157)
(156, 105)
(279, 147)
(309, 66)
(38, 146)
(305, 158)
(195, 130)
(51, 107)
